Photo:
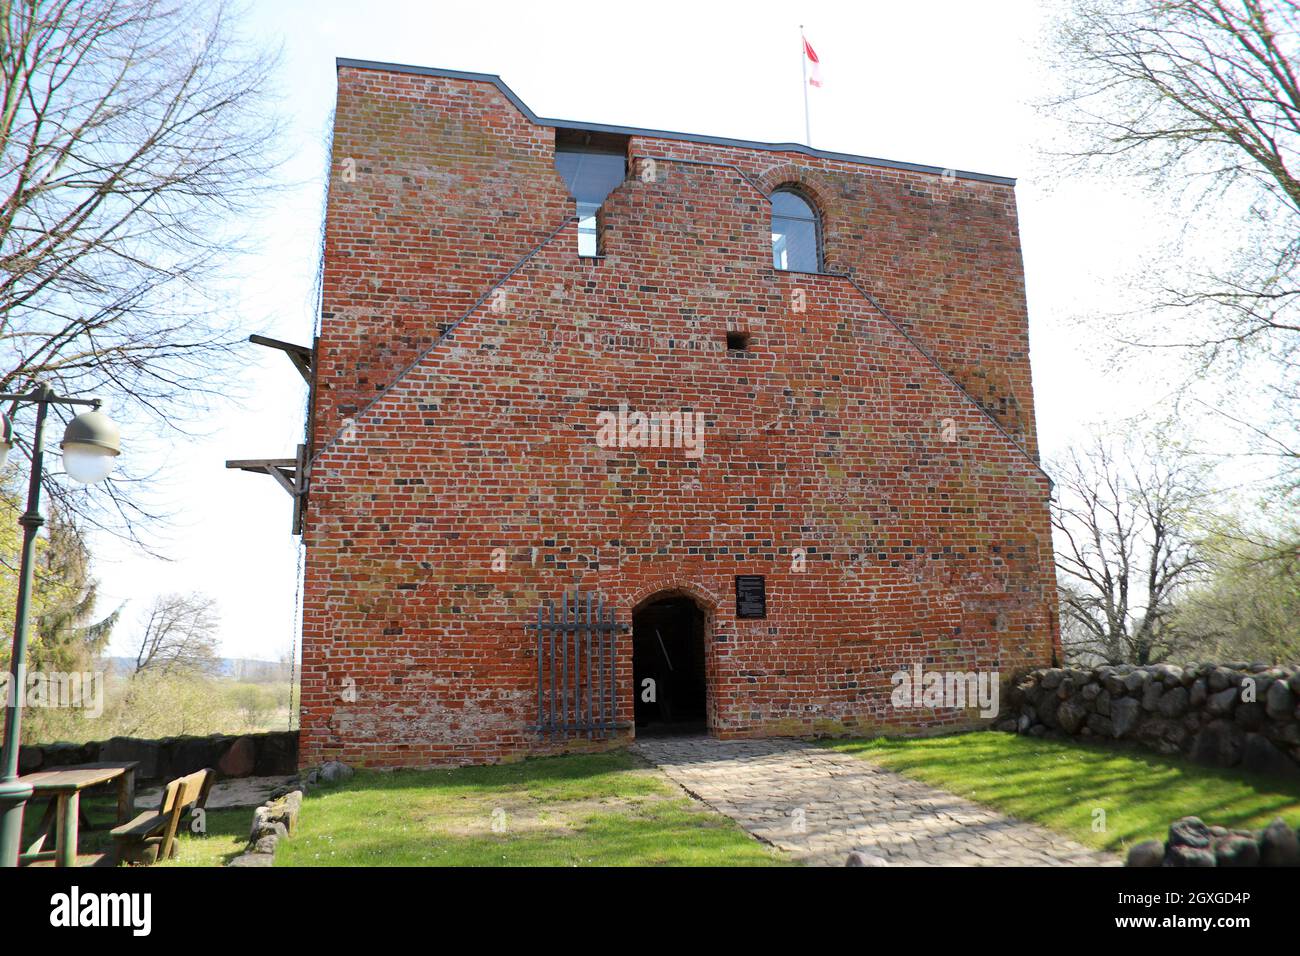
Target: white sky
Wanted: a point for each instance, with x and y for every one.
(947, 83)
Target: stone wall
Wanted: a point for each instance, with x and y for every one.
(231, 756)
(1222, 715)
(1192, 842)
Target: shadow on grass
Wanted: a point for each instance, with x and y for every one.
(1102, 795)
(575, 810)
(227, 831)
(568, 777)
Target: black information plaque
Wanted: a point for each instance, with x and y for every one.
(751, 596)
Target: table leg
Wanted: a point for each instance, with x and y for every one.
(126, 796)
(43, 828)
(66, 845)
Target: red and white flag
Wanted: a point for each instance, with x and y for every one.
(816, 78)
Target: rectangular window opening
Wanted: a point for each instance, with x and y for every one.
(592, 165)
(737, 341)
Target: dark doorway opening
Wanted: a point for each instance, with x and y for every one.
(668, 668)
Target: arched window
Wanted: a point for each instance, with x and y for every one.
(796, 233)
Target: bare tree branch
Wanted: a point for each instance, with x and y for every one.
(135, 142)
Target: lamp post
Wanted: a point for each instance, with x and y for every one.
(90, 444)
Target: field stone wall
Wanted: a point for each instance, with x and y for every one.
(1220, 715)
(245, 755)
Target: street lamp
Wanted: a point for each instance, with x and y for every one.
(91, 444)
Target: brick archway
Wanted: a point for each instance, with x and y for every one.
(669, 587)
(820, 191)
(673, 661)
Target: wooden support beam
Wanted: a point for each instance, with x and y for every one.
(289, 473)
(301, 356)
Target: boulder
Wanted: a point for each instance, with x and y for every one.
(184, 755)
(1124, 715)
(1173, 703)
(1222, 678)
(285, 810)
(1171, 675)
(1051, 678)
(269, 829)
(1101, 725)
(1188, 856)
(1046, 711)
(1260, 756)
(1189, 831)
(1146, 853)
(335, 771)
(1278, 845)
(1135, 680)
(267, 844)
(859, 858)
(1199, 692)
(124, 749)
(1279, 702)
(1151, 695)
(1250, 715)
(1103, 704)
(239, 759)
(253, 859)
(1071, 717)
(1020, 692)
(277, 753)
(1235, 850)
(1288, 733)
(1163, 735)
(1113, 682)
(1218, 744)
(1221, 703)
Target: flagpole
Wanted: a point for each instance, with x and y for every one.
(803, 66)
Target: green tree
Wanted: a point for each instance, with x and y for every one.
(1249, 609)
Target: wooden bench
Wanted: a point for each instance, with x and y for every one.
(151, 836)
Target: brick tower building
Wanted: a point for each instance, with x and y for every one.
(616, 431)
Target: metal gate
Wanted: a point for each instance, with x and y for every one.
(576, 650)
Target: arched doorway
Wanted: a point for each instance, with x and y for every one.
(668, 666)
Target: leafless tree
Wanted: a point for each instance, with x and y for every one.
(134, 136)
(1125, 551)
(1203, 97)
(180, 635)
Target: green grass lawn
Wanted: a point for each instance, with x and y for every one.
(1060, 784)
(587, 810)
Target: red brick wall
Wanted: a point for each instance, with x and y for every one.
(827, 436)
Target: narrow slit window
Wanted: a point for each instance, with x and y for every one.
(796, 233)
(591, 166)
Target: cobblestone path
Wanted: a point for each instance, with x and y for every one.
(819, 805)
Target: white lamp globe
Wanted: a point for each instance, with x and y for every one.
(91, 444)
(6, 438)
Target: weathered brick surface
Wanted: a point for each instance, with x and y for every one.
(827, 436)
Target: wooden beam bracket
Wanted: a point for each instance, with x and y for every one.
(301, 356)
(289, 473)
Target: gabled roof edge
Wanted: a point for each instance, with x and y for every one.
(520, 105)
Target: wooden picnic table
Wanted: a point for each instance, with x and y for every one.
(63, 787)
